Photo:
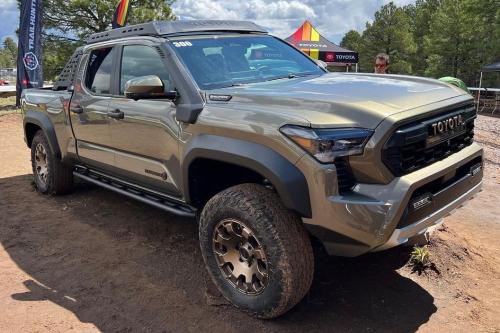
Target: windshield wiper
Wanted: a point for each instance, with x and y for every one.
(234, 85)
(291, 76)
(300, 74)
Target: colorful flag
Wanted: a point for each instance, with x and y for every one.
(29, 60)
(121, 12)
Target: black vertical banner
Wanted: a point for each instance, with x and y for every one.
(29, 59)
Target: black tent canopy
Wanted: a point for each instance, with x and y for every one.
(495, 67)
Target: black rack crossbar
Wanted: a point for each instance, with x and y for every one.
(165, 28)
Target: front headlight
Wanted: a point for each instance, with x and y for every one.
(327, 144)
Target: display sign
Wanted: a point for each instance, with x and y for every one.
(29, 60)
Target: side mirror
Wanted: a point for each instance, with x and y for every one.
(147, 87)
(322, 64)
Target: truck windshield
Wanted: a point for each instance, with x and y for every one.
(224, 61)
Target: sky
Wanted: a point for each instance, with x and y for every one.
(332, 18)
(9, 19)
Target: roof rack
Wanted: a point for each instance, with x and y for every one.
(165, 28)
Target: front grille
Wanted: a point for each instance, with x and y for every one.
(408, 149)
(345, 177)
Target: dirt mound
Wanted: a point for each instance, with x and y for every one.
(449, 256)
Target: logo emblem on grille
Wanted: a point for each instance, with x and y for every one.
(449, 124)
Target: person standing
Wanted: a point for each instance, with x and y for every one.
(381, 63)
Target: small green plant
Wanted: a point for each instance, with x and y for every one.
(420, 255)
(420, 260)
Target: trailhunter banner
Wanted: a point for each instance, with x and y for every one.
(29, 60)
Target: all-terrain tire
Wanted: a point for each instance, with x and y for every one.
(285, 242)
(59, 177)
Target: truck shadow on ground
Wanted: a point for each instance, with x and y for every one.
(124, 266)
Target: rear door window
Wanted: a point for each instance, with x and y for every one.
(99, 68)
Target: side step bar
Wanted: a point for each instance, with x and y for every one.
(135, 193)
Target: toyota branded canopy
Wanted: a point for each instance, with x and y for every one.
(308, 40)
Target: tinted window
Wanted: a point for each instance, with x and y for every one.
(222, 61)
(138, 60)
(98, 77)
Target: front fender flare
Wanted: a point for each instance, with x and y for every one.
(286, 178)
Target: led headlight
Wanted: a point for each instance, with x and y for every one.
(327, 144)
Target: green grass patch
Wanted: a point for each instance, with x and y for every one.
(8, 101)
(8, 106)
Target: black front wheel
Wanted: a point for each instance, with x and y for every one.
(256, 250)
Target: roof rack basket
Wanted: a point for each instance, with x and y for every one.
(166, 28)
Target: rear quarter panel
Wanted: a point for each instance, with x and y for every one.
(52, 106)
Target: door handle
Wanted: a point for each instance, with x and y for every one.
(116, 114)
(77, 109)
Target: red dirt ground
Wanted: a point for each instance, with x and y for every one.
(96, 261)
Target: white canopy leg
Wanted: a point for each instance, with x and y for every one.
(479, 91)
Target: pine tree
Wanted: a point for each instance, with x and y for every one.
(389, 33)
(68, 22)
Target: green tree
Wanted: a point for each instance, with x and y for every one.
(421, 15)
(461, 38)
(435, 38)
(8, 54)
(5, 60)
(68, 22)
(352, 41)
(390, 33)
(10, 48)
(83, 17)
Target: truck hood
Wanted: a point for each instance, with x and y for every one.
(340, 99)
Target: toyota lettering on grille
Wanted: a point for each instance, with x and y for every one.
(446, 129)
(443, 126)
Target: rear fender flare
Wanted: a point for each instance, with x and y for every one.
(42, 121)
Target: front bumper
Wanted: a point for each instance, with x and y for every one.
(401, 235)
(375, 217)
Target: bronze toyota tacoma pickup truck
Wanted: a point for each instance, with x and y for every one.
(222, 122)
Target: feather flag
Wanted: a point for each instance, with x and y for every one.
(29, 61)
(121, 13)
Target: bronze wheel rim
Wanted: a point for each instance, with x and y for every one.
(41, 163)
(240, 256)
